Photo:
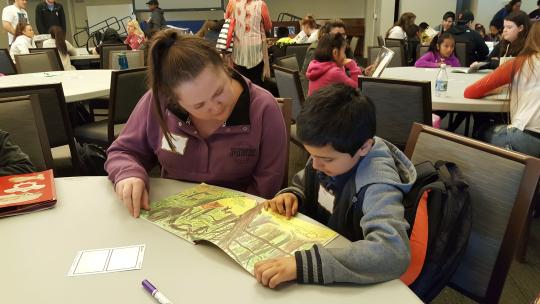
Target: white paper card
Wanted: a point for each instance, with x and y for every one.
(178, 141)
(326, 200)
(107, 260)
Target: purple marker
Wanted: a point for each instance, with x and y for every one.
(155, 293)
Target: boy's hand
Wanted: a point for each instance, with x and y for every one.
(275, 271)
(285, 204)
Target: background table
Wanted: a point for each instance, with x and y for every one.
(457, 82)
(78, 85)
(37, 251)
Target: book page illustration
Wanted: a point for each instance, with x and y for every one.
(236, 224)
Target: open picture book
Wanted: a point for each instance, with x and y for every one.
(25, 193)
(384, 57)
(472, 69)
(235, 223)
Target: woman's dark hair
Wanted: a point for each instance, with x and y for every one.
(520, 19)
(309, 21)
(173, 59)
(111, 36)
(337, 115)
(19, 29)
(423, 26)
(326, 46)
(438, 40)
(282, 32)
(449, 15)
(57, 33)
(480, 28)
(511, 4)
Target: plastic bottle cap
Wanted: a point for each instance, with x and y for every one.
(443, 65)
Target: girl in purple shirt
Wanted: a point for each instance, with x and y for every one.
(441, 50)
(202, 123)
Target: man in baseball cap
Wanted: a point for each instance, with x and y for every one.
(157, 19)
(463, 31)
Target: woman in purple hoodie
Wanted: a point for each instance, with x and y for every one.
(202, 123)
(330, 64)
(441, 50)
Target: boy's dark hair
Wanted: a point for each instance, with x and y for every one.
(448, 15)
(327, 43)
(282, 32)
(423, 26)
(411, 30)
(338, 115)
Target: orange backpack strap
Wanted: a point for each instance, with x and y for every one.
(418, 242)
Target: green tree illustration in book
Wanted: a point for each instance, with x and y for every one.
(234, 223)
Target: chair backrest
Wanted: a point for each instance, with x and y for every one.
(105, 50)
(127, 88)
(501, 186)
(289, 86)
(353, 44)
(54, 57)
(461, 54)
(7, 67)
(397, 61)
(394, 42)
(55, 114)
(299, 50)
(285, 105)
(380, 40)
(421, 50)
(135, 59)
(288, 62)
(21, 117)
(34, 63)
(398, 104)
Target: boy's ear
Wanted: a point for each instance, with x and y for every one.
(365, 148)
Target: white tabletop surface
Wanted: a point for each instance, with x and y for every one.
(457, 82)
(78, 85)
(37, 251)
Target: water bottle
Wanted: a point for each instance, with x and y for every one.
(122, 61)
(441, 84)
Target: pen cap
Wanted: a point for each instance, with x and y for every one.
(148, 286)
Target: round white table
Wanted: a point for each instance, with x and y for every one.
(457, 82)
(38, 249)
(78, 85)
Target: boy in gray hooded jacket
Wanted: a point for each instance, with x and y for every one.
(348, 163)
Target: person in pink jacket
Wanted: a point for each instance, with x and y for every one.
(441, 51)
(331, 65)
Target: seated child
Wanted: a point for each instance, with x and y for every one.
(330, 63)
(337, 127)
(426, 33)
(441, 50)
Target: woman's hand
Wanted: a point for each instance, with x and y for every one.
(132, 191)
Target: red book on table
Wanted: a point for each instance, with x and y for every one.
(25, 193)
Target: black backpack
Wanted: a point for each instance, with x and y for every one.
(449, 220)
(92, 159)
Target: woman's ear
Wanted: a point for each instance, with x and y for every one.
(520, 28)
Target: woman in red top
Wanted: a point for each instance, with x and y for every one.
(135, 36)
(522, 133)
